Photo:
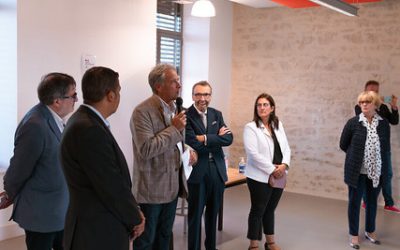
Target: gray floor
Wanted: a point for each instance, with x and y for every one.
(302, 222)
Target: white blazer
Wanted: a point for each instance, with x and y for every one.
(259, 147)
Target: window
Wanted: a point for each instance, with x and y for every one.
(169, 33)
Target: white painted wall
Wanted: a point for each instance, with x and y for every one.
(8, 99)
(121, 34)
(195, 52)
(207, 49)
(52, 36)
(220, 59)
(8, 78)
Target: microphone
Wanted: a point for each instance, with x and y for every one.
(179, 108)
(179, 103)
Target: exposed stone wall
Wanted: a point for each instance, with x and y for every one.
(314, 62)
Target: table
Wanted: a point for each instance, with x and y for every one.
(234, 178)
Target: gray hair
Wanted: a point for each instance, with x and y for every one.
(157, 74)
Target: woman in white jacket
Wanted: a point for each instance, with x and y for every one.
(268, 153)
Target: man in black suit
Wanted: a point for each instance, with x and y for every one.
(102, 214)
(34, 181)
(207, 133)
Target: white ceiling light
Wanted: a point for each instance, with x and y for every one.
(203, 8)
(339, 6)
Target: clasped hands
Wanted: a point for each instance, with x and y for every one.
(279, 170)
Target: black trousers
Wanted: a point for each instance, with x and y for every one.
(208, 193)
(44, 241)
(364, 186)
(264, 200)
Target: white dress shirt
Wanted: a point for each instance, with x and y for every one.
(59, 121)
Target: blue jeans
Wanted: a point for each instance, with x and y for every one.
(158, 229)
(355, 195)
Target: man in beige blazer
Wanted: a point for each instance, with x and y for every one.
(157, 135)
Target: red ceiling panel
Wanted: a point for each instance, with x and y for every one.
(307, 3)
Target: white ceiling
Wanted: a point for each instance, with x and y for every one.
(257, 3)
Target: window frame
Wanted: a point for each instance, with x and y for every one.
(175, 35)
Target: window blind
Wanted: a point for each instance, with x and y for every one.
(169, 33)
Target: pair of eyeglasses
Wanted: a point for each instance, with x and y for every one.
(202, 94)
(73, 96)
(364, 102)
(265, 105)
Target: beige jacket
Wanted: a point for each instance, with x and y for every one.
(156, 155)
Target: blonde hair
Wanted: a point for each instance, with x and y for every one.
(370, 96)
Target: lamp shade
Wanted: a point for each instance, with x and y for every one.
(203, 8)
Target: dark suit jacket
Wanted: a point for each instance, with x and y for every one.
(34, 180)
(214, 145)
(102, 210)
